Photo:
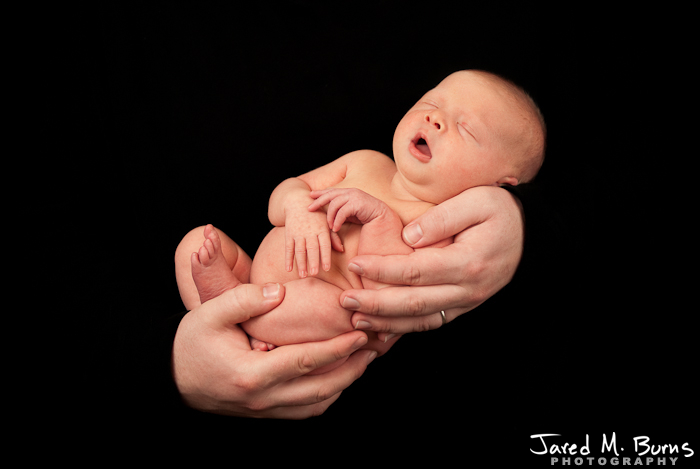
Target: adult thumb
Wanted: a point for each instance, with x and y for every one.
(440, 222)
(244, 302)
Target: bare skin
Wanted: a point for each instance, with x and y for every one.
(452, 140)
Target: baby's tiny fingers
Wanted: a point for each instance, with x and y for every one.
(300, 256)
(289, 255)
(324, 244)
(317, 193)
(334, 215)
(312, 254)
(336, 242)
(321, 197)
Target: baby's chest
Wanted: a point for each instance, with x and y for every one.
(371, 185)
(381, 189)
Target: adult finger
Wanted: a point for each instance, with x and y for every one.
(242, 303)
(291, 361)
(429, 266)
(321, 389)
(454, 215)
(438, 223)
(298, 412)
(387, 327)
(404, 301)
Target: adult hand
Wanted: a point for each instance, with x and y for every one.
(489, 228)
(216, 371)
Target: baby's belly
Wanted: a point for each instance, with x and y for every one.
(268, 263)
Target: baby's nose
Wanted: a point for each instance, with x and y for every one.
(434, 119)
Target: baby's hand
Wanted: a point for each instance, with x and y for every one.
(307, 239)
(351, 205)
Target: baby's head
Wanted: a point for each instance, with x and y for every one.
(474, 129)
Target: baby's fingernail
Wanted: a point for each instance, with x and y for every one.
(271, 291)
(351, 303)
(389, 337)
(412, 233)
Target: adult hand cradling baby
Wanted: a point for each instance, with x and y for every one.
(487, 225)
(216, 370)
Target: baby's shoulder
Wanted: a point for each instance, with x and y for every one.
(369, 159)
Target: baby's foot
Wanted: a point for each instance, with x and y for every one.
(256, 344)
(210, 272)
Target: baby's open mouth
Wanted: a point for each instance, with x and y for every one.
(422, 147)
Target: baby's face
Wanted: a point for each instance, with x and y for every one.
(456, 137)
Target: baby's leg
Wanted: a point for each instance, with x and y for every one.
(310, 312)
(207, 263)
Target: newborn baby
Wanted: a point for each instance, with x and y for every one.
(473, 129)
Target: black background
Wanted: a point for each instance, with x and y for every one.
(190, 115)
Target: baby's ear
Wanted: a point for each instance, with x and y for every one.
(510, 180)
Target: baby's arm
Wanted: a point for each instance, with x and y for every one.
(306, 234)
(381, 231)
(307, 237)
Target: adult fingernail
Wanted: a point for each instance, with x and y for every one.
(354, 268)
(271, 291)
(351, 304)
(359, 342)
(363, 325)
(412, 233)
(371, 356)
